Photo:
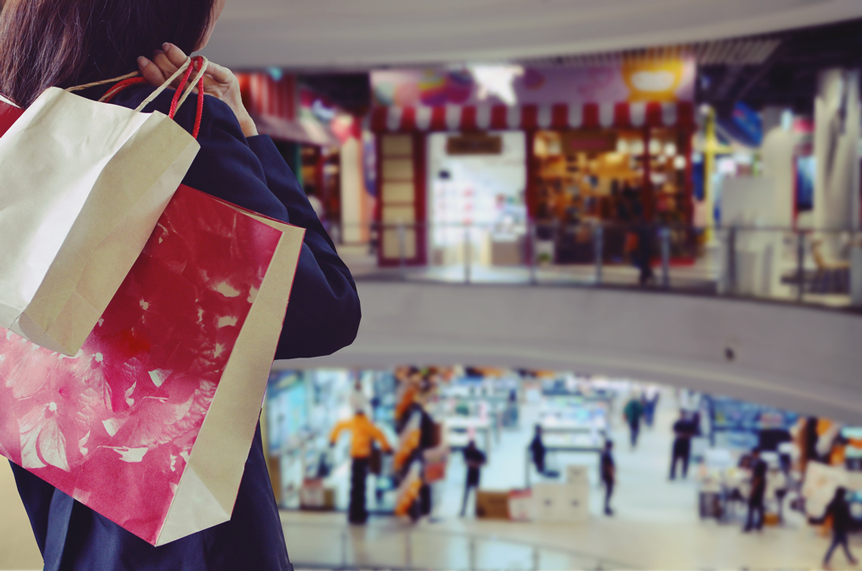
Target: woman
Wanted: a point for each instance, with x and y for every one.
(48, 43)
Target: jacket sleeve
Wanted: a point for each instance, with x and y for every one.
(337, 430)
(323, 314)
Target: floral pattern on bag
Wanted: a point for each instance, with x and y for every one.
(115, 425)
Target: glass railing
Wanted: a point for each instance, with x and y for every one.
(820, 267)
(393, 544)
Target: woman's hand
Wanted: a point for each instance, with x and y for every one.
(219, 81)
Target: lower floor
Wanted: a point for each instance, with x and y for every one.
(655, 525)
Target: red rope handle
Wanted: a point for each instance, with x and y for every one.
(200, 111)
(182, 87)
(196, 65)
(121, 86)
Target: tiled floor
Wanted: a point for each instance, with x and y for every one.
(656, 526)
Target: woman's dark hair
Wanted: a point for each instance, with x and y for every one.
(62, 43)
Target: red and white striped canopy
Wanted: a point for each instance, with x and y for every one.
(274, 104)
(528, 117)
(264, 95)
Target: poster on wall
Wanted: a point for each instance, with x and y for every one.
(635, 80)
(287, 410)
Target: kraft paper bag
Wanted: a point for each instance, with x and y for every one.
(151, 423)
(83, 184)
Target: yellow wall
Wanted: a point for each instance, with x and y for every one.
(18, 549)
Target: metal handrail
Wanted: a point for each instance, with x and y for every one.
(595, 243)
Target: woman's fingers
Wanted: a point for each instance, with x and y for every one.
(162, 60)
(150, 71)
(219, 74)
(174, 55)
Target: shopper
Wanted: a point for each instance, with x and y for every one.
(632, 413)
(684, 431)
(512, 409)
(358, 399)
(75, 42)
(650, 401)
(475, 459)
(363, 434)
(758, 492)
(642, 256)
(839, 510)
(608, 474)
(537, 447)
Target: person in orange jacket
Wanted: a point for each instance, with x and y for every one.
(363, 434)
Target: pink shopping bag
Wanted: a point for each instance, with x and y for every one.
(151, 422)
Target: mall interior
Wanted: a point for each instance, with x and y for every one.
(609, 256)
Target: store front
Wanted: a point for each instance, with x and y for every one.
(601, 145)
(476, 203)
(321, 143)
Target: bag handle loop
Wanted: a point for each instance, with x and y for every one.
(155, 94)
(184, 89)
(187, 67)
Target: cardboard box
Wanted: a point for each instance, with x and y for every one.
(561, 503)
(577, 474)
(492, 504)
(314, 495)
(521, 505)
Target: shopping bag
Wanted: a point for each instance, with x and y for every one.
(375, 460)
(151, 423)
(435, 471)
(84, 183)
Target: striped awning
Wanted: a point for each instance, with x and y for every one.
(529, 117)
(262, 94)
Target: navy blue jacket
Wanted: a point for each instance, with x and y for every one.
(322, 317)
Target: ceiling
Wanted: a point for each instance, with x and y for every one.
(787, 76)
(364, 34)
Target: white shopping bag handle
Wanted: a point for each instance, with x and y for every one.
(189, 88)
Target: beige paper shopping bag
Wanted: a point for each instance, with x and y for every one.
(82, 184)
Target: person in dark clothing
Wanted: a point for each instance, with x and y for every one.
(234, 164)
(537, 447)
(642, 256)
(633, 412)
(475, 459)
(758, 492)
(650, 402)
(839, 510)
(683, 430)
(608, 474)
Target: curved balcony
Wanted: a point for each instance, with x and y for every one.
(695, 328)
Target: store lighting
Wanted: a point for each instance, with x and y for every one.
(622, 146)
(654, 147)
(637, 147)
(497, 80)
(679, 162)
(670, 149)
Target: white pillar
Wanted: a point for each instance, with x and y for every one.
(352, 188)
(777, 153)
(836, 139)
